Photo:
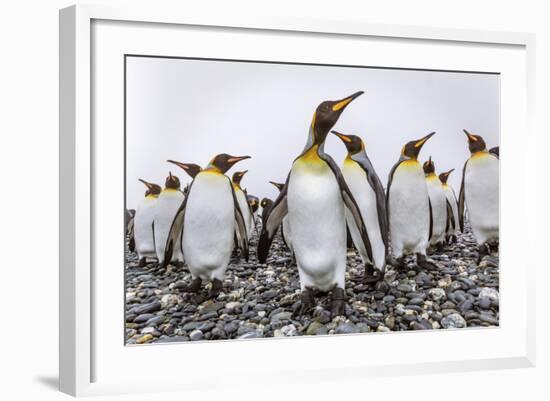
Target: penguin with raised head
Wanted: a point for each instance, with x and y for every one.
(266, 205)
(243, 202)
(209, 220)
(438, 205)
(285, 224)
(479, 194)
(314, 198)
(144, 224)
(452, 229)
(168, 203)
(368, 192)
(408, 206)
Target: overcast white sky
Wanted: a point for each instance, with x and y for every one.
(191, 110)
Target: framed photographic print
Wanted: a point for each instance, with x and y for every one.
(275, 189)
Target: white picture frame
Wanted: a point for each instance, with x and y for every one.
(80, 373)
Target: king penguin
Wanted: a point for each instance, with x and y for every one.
(243, 202)
(368, 192)
(479, 194)
(285, 225)
(253, 202)
(144, 223)
(167, 206)
(452, 208)
(314, 197)
(408, 206)
(209, 219)
(438, 205)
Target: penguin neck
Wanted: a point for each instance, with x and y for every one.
(237, 186)
(212, 170)
(151, 196)
(170, 190)
(479, 153)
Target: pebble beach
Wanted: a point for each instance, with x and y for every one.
(258, 299)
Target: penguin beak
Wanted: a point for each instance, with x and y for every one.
(422, 141)
(235, 159)
(277, 185)
(450, 171)
(147, 184)
(343, 137)
(471, 137)
(342, 104)
(184, 166)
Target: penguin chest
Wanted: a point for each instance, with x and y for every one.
(365, 197)
(167, 206)
(316, 217)
(409, 215)
(143, 227)
(481, 185)
(208, 224)
(438, 202)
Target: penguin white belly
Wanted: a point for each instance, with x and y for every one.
(481, 185)
(316, 216)
(143, 228)
(168, 204)
(364, 195)
(451, 197)
(287, 233)
(439, 209)
(245, 210)
(209, 226)
(409, 214)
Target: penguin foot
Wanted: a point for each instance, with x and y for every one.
(217, 287)
(194, 287)
(307, 303)
(178, 264)
(423, 262)
(142, 262)
(372, 275)
(482, 251)
(399, 264)
(453, 239)
(439, 246)
(338, 307)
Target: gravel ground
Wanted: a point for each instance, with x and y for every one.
(258, 300)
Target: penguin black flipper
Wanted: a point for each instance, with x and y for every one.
(461, 200)
(431, 219)
(390, 179)
(175, 229)
(349, 201)
(273, 219)
(240, 226)
(378, 189)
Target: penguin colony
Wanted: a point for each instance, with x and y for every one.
(319, 206)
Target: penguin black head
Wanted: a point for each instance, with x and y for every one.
(278, 185)
(223, 162)
(189, 168)
(172, 182)
(429, 166)
(266, 202)
(238, 176)
(353, 143)
(475, 142)
(152, 189)
(326, 115)
(444, 176)
(254, 202)
(412, 148)
(495, 151)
